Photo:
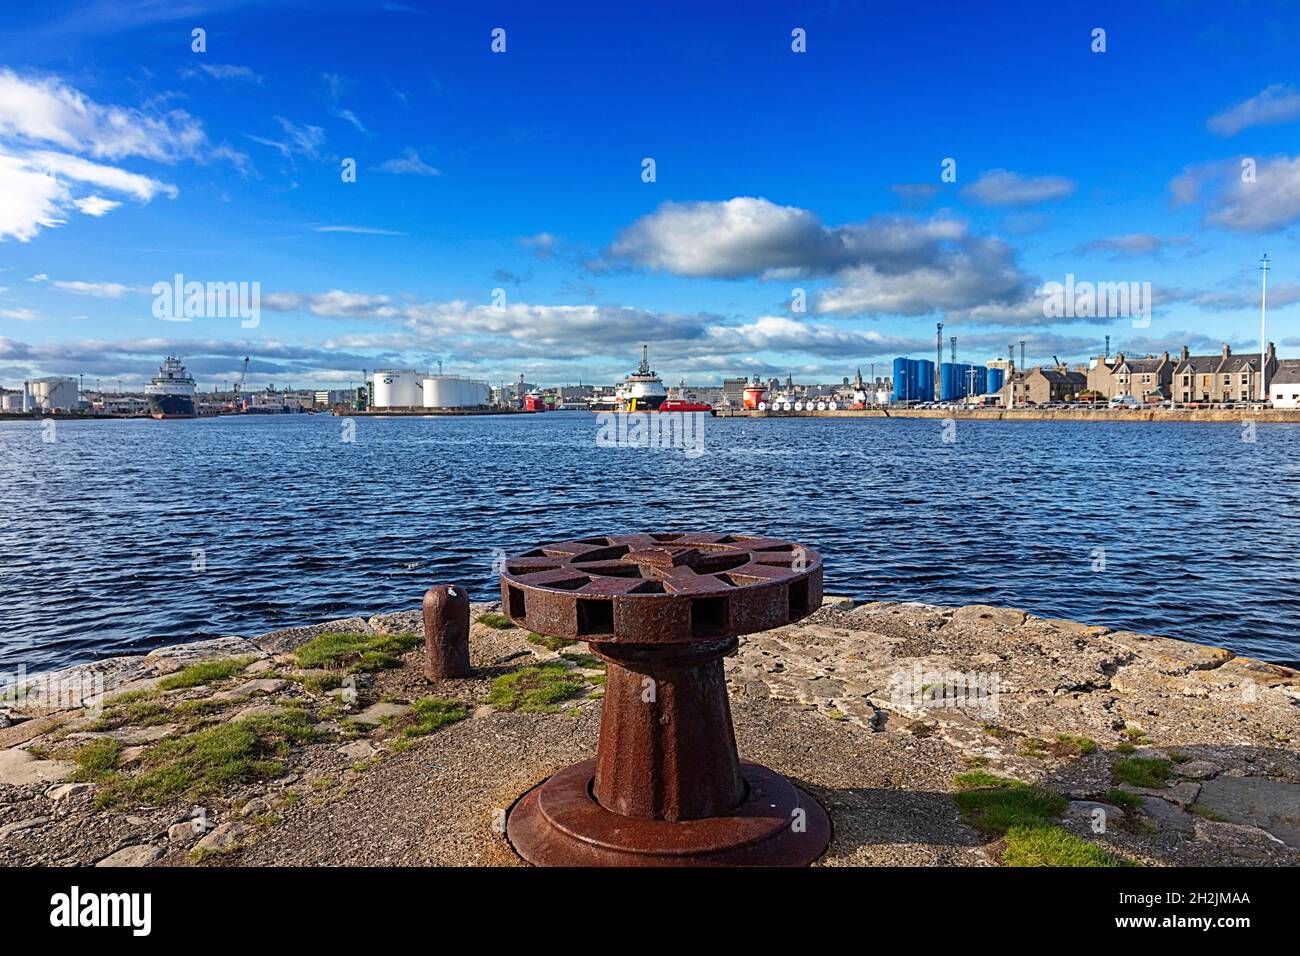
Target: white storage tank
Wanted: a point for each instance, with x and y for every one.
(398, 388)
(455, 391)
(52, 393)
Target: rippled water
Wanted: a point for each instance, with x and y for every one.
(98, 530)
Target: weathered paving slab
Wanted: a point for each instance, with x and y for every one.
(20, 769)
(1272, 805)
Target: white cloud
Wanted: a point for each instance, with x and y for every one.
(54, 140)
(886, 265)
(300, 139)
(20, 315)
(1131, 244)
(410, 163)
(228, 71)
(99, 290)
(96, 205)
(361, 230)
(1273, 105)
(39, 277)
(351, 117)
(1269, 203)
(1002, 187)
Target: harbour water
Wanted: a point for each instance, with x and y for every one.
(120, 536)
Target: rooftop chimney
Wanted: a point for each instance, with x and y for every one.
(1227, 350)
(1185, 354)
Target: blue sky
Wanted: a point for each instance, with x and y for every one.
(127, 157)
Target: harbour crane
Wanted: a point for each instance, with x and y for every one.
(243, 374)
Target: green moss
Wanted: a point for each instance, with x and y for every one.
(1123, 798)
(975, 760)
(535, 690)
(205, 672)
(834, 714)
(498, 622)
(1178, 757)
(208, 761)
(1050, 845)
(354, 651)
(999, 733)
(550, 643)
(1207, 813)
(1125, 748)
(430, 713)
(1147, 772)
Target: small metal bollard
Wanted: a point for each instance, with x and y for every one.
(446, 632)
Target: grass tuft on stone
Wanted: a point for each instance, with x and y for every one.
(498, 622)
(205, 672)
(1024, 816)
(1149, 772)
(208, 761)
(430, 713)
(354, 651)
(1125, 799)
(550, 643)
(1072, 745)
(535, 690)
(96, 761)
(1049, 845)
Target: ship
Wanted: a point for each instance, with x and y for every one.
(644, 390)
(172, 393)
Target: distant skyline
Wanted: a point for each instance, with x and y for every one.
(500, 223)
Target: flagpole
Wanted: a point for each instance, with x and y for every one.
(1263, 334)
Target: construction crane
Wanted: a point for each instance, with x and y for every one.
(243, 374)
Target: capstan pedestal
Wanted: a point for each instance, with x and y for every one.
(667, 787)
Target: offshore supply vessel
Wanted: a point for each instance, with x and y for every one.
(643, 391)
(172, 393)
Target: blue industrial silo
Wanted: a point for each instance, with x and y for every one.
(901, 378)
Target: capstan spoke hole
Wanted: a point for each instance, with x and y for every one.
(518, 611)
(595, 616)
(708, 616)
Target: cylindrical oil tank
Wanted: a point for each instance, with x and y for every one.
(11, 402)
(925, 380)
(398, 388)
(900, 379)
(981, 377)
(454, 391)
(51, 393)
(997, 378)
(949, 384)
